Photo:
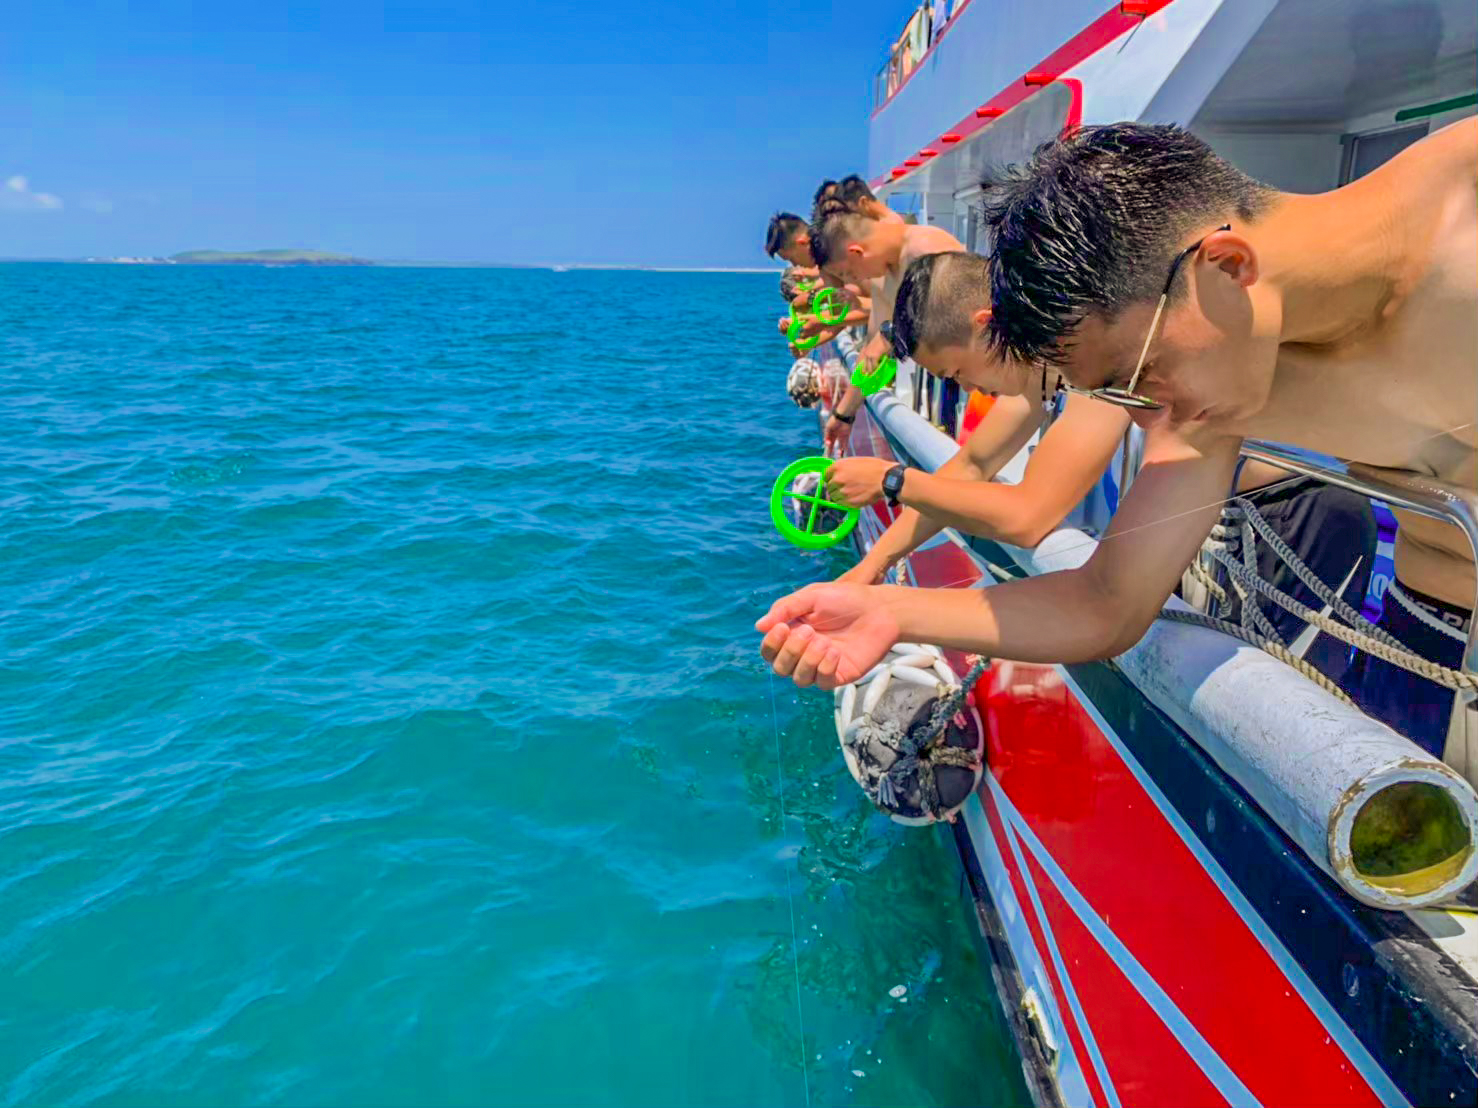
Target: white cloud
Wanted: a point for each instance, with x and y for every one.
(18, 197)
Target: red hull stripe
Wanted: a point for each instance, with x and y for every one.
(1114, 1003)
(1036, 922)
(1109, 840)
(1151, 1068)
(1385, 1090)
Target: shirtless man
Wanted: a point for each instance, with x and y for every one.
(940, 316)
(941, 320)
(788, 237)
(1344, 322)
(858, 243)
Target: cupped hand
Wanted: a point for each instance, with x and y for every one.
(827, 635)
(856, 482)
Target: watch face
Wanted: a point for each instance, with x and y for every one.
(893, 481)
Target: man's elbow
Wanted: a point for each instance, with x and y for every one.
(1026, 533)
(1029, 526)
(1111, 623)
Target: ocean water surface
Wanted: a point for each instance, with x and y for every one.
(381, 721)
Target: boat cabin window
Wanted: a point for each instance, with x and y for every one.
(1363, 153)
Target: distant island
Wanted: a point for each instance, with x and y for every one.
(244, 257)
(266, 257)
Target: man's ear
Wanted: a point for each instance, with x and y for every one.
(1233, 255)
(855, 249)
(802, 238)
(980, 317)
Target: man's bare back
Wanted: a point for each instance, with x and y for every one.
(918, 240)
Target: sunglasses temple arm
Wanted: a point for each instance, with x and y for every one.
(1149, 338)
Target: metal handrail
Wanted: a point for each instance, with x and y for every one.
(1411, 492)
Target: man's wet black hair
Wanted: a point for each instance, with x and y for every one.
(1092, 222)
(937, 297)
(784, 226)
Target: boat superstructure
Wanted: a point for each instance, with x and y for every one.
(1153, 850)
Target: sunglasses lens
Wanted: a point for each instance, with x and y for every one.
(1126, 399)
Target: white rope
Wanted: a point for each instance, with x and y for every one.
(1376, 645)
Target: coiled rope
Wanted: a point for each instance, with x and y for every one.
(1240, 521)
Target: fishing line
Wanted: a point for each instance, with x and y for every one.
(795, 946)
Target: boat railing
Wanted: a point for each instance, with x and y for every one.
(1411, 492)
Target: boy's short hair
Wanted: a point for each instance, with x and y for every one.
(783, 228)
(1091, 223)
(788, 281)
(936, 298)
(834, 224)
(850, 191)
(853, 190)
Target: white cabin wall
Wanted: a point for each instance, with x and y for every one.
(1293, 161)
(990, 44)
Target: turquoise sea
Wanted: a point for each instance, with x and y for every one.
(381, 721)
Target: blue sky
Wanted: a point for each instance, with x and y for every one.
(615, 132)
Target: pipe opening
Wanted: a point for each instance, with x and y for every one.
(1410, 838)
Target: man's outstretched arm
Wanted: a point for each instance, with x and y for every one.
(832, 634)
(1063, 469)
(1011, 421)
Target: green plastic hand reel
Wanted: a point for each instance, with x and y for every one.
(807, 537)
(793, 335)
(828, 307)
(880, 378)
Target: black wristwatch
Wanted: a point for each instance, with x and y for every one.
(893, 485)
(836, 415)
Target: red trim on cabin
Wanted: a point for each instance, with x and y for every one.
(1100, 33)
(950, 137)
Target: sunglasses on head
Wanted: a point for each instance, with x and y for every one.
(1126, 397)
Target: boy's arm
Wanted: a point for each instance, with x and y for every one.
(1062, 470)
(832, 634)
(1005, 429)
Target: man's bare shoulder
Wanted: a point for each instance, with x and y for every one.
(1451, 154)
(921, 239)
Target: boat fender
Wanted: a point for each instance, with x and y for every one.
(883, 719)
(803, 383)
